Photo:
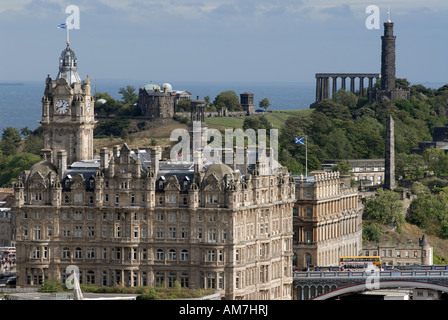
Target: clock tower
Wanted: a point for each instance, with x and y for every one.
(67, 111)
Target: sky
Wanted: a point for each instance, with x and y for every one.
(221, 40)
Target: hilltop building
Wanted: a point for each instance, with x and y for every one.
(130, 218)
(159, 102)
(327, 83)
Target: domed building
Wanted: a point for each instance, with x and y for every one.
(159, 102)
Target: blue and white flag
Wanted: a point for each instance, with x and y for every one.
(62, 26)
(300, 140)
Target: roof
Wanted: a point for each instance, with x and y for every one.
(219, 169)
(44, 167)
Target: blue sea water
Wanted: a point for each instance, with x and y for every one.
(20, 103)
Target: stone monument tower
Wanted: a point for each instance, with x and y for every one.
(389, 180)
(388, 57)
(388, 70)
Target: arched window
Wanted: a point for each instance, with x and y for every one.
(184, 255)
(172, 255)
(66, 253)
(90, 277)
(307, 259)
(160, 254)
(78, 253)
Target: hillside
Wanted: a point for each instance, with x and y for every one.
(158, 132)
(410, 231)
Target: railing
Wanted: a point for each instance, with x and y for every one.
(363, 274)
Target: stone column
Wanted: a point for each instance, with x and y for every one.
(370, 83)
(361, 86)
(327, 87)
(343, 82)
(335, 84)
(318, 89)
(352, 84)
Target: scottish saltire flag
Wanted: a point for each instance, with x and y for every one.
(300, 140)
(62, 26)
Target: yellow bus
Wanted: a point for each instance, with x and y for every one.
(360, 263)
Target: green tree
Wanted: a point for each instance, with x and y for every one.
(386, 207)
(11, 166)
(128, 95)
(371, 231)
(436, 160)
(228, 99)
(264, 104)
(343, 167)
(346, 98)
(11, 140)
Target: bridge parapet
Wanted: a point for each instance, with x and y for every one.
(313, 284)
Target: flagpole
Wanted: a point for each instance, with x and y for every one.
(306, 158)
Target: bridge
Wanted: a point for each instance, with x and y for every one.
(322, 285)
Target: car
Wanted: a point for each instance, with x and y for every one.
(11, 282)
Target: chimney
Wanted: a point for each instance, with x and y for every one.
(104, 158)
(198, 159)
(62, 163)
(46, 154)
(156, 155)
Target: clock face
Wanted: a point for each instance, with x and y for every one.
(62, 106)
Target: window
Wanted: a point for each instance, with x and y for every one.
(211, 255)
(78, 215)
(184, 255)
(172, 232)
(65, 253)
(308, 236)
(212, 235)
(35, 253)
(90, 253)
(308, 212)
(294, 212)
(184, 280)
(159, 232)
(37, 233)
(160, 256)
(78, 231)
(172, 255)
(91, 231)
(78, 253)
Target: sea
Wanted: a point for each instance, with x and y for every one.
(20, 102)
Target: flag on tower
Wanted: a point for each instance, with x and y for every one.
(62, 26)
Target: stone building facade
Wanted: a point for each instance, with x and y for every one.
(327, 220)
(129, 218)
(155, 102)
(401, 254)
